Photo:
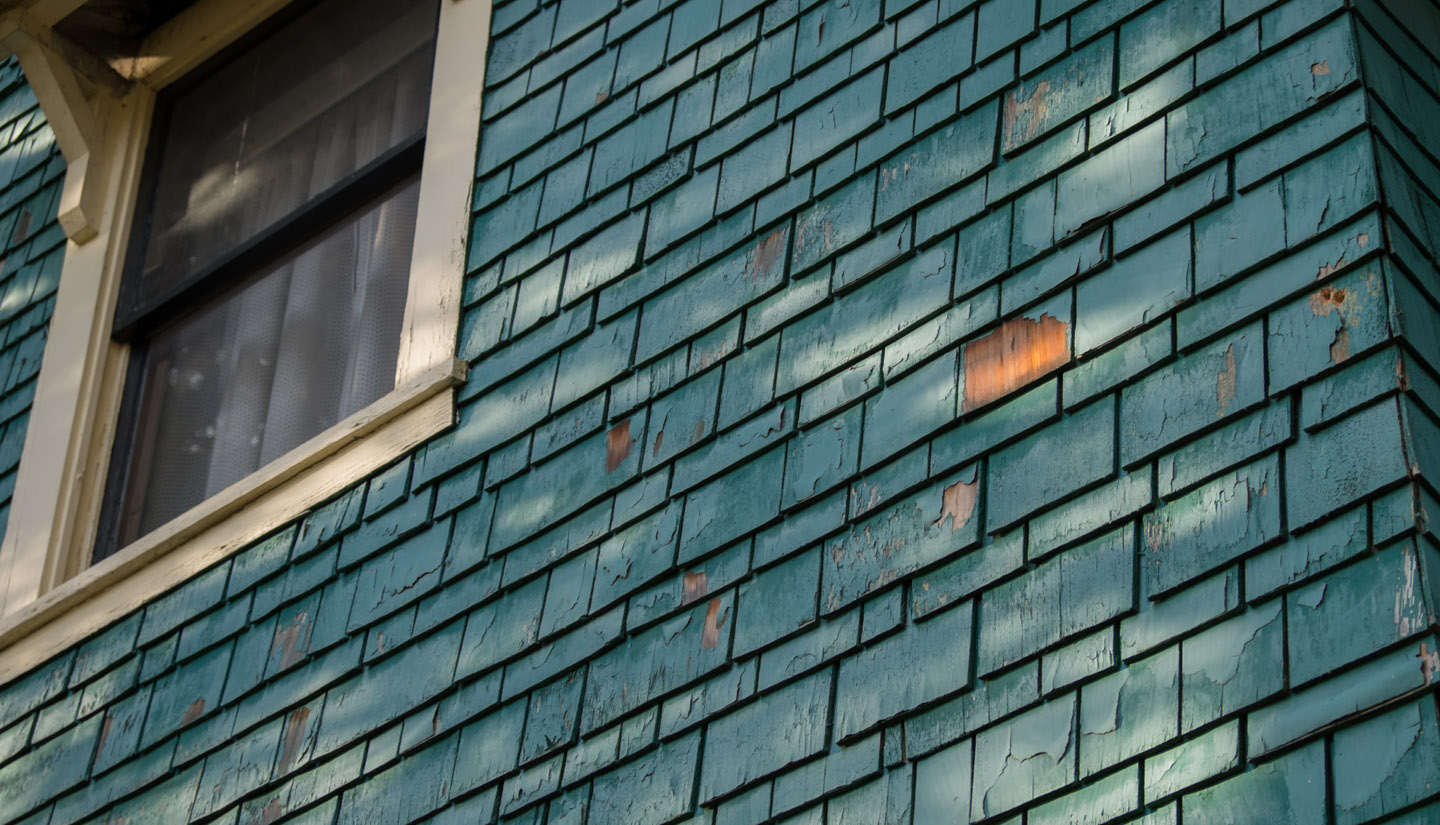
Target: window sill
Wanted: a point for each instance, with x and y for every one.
(306, 476)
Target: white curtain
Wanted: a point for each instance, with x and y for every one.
(314, 337)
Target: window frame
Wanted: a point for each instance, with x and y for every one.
(49, 596)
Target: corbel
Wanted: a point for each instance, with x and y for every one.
(59, 73)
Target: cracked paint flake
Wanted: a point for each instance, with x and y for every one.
(617, 446)
(1020, 351)
(1366, 776)
(1313, 597)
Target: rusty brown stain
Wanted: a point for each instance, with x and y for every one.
(1327, 299)
(195, 711)
(699, 432)
(1225, 383)
(1020, 351)
(294, 738)
(768, 254)
(1320, 69)
(957, 503)
(695, 586)
(1025, 112)
(617, 445)
(659, 439)
(710, 635)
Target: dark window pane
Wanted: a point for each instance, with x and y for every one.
(283, 122)
(258, 371)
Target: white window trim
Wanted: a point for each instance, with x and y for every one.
(49, 597)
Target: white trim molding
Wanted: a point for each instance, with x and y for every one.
(49, 596)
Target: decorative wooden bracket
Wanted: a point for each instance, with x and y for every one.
(59, 74)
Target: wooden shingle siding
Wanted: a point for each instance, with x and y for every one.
(905, 412)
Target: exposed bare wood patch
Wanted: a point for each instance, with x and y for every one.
(958, 504)
(294, 738)
(1320, 69)
(768, 255)
(714, 620)
(292, 641)
(1025, 111)
(1225, 383)
(695, 587)
(195, 711)
(617, 446)
(1020, 351)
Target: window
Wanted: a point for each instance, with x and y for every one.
(266, 280)
(259, 304)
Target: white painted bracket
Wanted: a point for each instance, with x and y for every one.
(73, 116)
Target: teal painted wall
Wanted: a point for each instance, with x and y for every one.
(32, 250)
(904, 412)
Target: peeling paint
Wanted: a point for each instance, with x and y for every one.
(617, 446)
(292, 641)
(294, 738)
(714, 620)
(1020, 351)
(1429, 662)
(1025, 112)
(1340, 346)
(768, 255)
(695, 586)
(958, 504)
(1225, 383)
(1407, 598)
(1320, 69)
(1313, 597)
(195, 711)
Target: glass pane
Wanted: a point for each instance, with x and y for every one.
(274, 362)
(293, 116)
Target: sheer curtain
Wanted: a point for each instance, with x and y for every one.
(256, 374)
(314, 337)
